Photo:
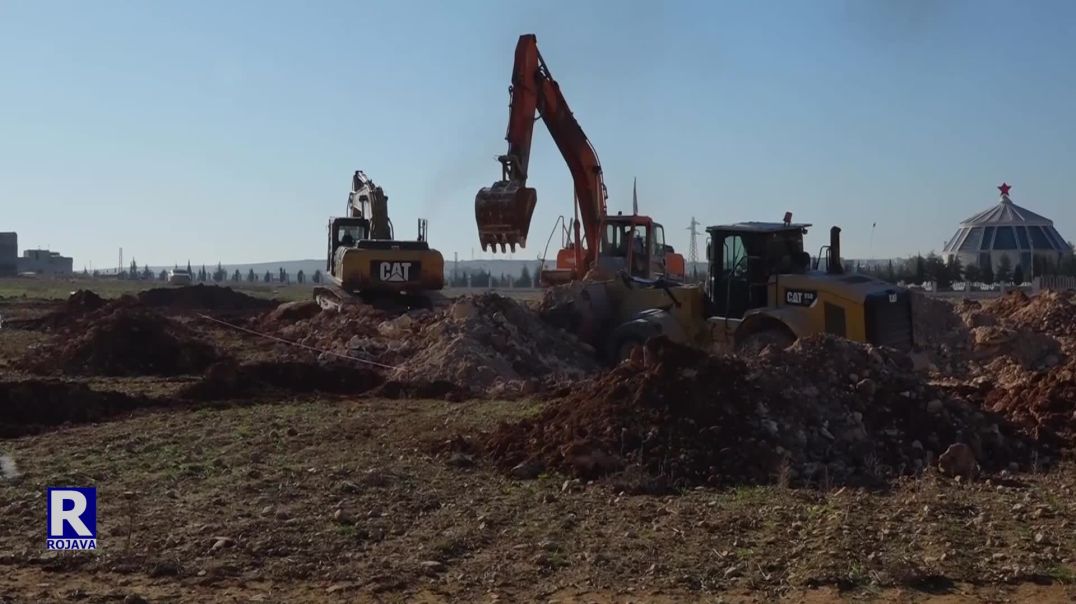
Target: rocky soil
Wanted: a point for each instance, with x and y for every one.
(824, 412)
(281, 452)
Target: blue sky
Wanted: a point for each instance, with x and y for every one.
(229, 130)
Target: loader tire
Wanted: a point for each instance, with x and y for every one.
(626, 338)
(626, 347)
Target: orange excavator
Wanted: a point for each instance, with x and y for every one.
(632, 245)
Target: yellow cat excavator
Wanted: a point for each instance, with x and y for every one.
(365, 262)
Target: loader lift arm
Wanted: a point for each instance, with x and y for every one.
(504, 211)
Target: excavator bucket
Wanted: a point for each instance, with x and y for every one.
(503, 213)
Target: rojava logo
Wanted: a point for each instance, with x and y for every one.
(72, 518)
(395, 271)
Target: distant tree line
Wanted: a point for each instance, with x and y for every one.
(920, 269)
(220, 275)
(483, 279)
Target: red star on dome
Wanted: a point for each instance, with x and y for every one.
(1004, 188)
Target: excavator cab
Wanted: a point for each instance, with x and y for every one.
(627, 244)
(345, 232)
(664, 260)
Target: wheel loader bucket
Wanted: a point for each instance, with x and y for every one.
(503, 213)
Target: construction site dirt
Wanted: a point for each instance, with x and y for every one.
(280, 452)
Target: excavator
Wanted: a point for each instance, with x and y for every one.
(609, 243)
(365, 262)
(763, 289)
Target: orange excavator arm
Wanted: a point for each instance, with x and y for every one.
(503, 211)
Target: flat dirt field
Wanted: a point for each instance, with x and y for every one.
(473, 452)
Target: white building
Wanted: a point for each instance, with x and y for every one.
(1007, 230)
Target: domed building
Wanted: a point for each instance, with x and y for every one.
(1007, 230)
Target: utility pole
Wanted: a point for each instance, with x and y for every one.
(119, 267)
(693, 251)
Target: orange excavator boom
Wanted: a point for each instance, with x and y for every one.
(503, 211)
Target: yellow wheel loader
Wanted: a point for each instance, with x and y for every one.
(762, 289)
(365, 262)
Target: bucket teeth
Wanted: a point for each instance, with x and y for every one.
(503, 214)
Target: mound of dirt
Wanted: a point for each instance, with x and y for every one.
(290, 312)
(327, 330)
(487, 342)
(30, 406)
(207, 297)
(485, 345)
(127, 341)
(1045, 404)
(1029, 349)
(935, 323)
(1050, 312)
(824, 411)
(78, 305)
(974, 339)
(83, 301)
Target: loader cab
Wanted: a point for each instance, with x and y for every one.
(744, 256)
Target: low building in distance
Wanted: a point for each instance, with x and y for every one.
(46, 263)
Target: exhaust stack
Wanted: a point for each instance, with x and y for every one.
(833, 263)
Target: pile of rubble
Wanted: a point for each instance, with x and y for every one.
(1027, 350)
(84, 306)
(492, 343)
(1044, 404)
(487, 345)
(83, 301)
(78, 305)
(1050, 312)
(306, 323)
(936, 325)
(974, 339)
(202, 296)
(124, 341)
(824, 411)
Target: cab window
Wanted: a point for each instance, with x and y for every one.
(615, 240)
(349, 235)
(733, 256)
